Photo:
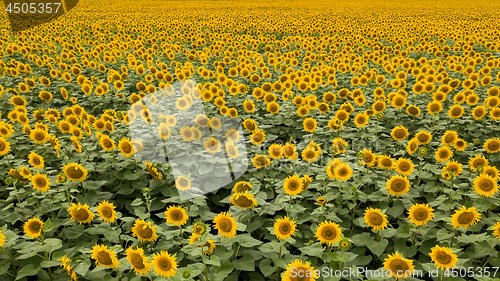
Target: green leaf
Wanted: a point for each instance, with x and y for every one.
(28, 270)
(266, 268)
(246, 263)
(361, 239)
(214, 260)
(224, 270)
(246, 240)
(136, 202)
(73, 232)
(378, 247)
(314, 250)
(129, 175)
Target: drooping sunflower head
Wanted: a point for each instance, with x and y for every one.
(138, 261)
(243, 200)
(104, 257)
(242, 186)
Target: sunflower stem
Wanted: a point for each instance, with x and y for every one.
(11, 257)
(452, 239)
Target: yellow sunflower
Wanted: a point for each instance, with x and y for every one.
(343, 172)
(107, 211)
(420, 214)
(144, 231)
(243, 200)
(478, 161)
(492, 145)
(443, 154)
(261, 161)
(40, 182)
(104, 257)
(164, 264)
(182, 183)
(386, 162)
(3, 238)
(485, 185)
(4, 146)
(284, 228)
(361, 120)
(398, 266)
(258, 137)
(298, 270)
(375, 219)
(310, 125)
(399, 133)
(126, 147)
(80, 213)
(495, 228)
(225, 223)
(293, 185)
(443, 257)
(33, 228)
(275, 151)
(398, 185)
(138, 261)
(242, 186)
(39, 136)
(176, 215)
(368, 157)
(289, 151)
(456, 111)
(465, 217)
(107, 143)
(212, 145)
(328, 232)
(75, 172)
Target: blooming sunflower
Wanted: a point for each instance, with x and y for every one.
(492, 171)
(182, 183)
(107, 143)
(443, 257)
(138, 261)
(39, 136)
(449, 138)
(176, 215)
(75, 172)
(243, 200)
(4, 146)
(289, 151)
(485, 185)
(404, 166)
(104, 257)
(3, 238)
(126, 147)
(343, 172)
(144, 231)
(375, 219)
(456, 111)
(465, 217)
(368, 157)
(386, 162)
(298, 267)
(225, 223)
(495, 228)
(412, 146)
(164, 264)
(33, 228)
(453, 167)
(258, 137)
(399, 133)
(328, 232)
(275, 151)
(361, 119)
(106, 211)
(40, 182)
(80, 213)
(398, 185)
(398, 266)
(492, 145)
(293, 185)
(261, 161)
(310, 125)
(420, 214)
(309, 154)
(242, 186)
(443, 153)
(478, 161)
(284, 228)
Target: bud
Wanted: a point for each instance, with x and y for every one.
(360, 155)
(476, 141)
(145, 190)
(61, 178)
(9, 181)
(311, 242)
(345, 244)
(119, 114)
(321, 201)
(380, 115)
(423, 151)
(199, 228)
(480, 169)
(186, 273)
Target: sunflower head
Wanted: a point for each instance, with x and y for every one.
(33, 227)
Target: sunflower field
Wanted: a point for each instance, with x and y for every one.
(251, 140)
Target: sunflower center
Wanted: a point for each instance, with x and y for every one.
(106, 143)
(225, 225)
(242, 201)
(329, 233)
(486, 185)
(399, 267)
(443, 258)
(137, 261)
(81, 215)
(285, 228)
(106, 211)
(104, 258)
(386, 163)
(465, 218)
(39, 136)
(400, 133)
(376, 219)
(36, 161)
(35, 226)
(74, 173)
(145, 233)
(127, 148)
(456, 112)
(449, 138)
(404, 167)
(165, 264)
(421, 214)
(40, 182)
(493, 145)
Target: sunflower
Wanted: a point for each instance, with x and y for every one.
(375, 219)
(328, 232)
(249, 124)
(242, 186)
(492, 171)
(33, 228)
(243, 200)
(261, 161)
(399, 133)
(398, 185)
(284, 228)
(398, 266)
(104, 257)
(3, 238)
(257, 137)
(289, 151)
(443, 153)
(361, 119)
(275, 151)
(453, 167)
(75, 172)
(4, 146)
(398, 101)
(210, 247)
(420, 214)
(495, 228)
(340, 143)
(40, 182)
(310, 125)
(368, 157)
(456, 111)
(331, 169)
(39, 136)
(321, 201)
(138, 261)
(492, 145)
(202, 121)
(107, 211)
(164, 264)
(144, 231)
(386, 162)
(478, 161)
(182, 183)
(126, 147)
(293, 185)
(107, 143)
(423, 137)
(231, 150)
(298, 270)
(182, 103)
(176, 215)
(465, 217)
(249, 106)
(343, 172)
(212, 145)
(485, 185)
(225, 224)
(80, 213)
(434, 107)
(443, 257)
